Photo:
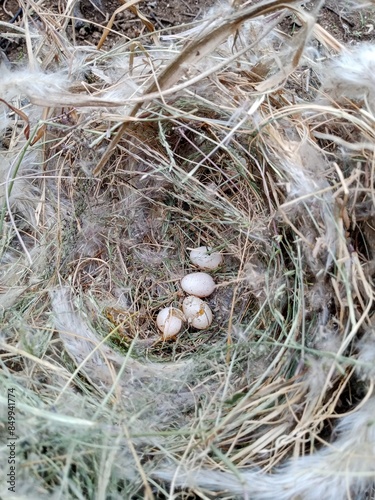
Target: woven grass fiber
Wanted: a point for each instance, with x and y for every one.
(115, 162)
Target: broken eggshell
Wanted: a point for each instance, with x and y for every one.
(169, 321)
(198, 284)
(204, 258)
(197, 312)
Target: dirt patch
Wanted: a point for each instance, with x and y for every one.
(163, 13)
(345, 25)
(348, 26)
(93, 15)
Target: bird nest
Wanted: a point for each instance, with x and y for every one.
(115, 163)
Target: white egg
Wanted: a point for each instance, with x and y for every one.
(197, 312)
(199, 284)
(205, 259)
(169, 321)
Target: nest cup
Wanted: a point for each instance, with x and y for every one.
(114, 160)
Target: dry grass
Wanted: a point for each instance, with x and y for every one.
(114, 163)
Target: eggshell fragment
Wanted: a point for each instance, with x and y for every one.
(198, 284)
(205, 259)
(169, 321)
(197, 312)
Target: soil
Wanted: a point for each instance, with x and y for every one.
(162, 14)
(346, 26)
